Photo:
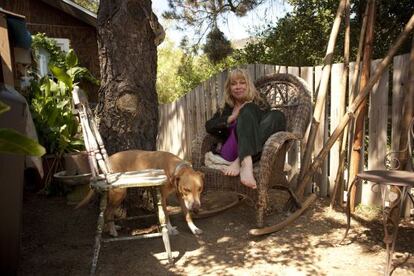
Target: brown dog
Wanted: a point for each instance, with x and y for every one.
(187, 183)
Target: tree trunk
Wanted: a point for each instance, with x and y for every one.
(127, 110)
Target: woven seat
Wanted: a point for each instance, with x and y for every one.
(103, 179)
(284, 92)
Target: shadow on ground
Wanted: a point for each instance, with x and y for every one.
(58, 240)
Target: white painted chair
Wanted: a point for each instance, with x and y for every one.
(103, 178)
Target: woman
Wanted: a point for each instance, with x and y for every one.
(244, 124)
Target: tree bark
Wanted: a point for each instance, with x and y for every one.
(127, 109)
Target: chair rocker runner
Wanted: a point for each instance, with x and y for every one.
(103, 178)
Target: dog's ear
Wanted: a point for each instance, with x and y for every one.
(175, 180)
(202, 175)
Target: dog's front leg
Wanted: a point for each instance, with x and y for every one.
(110, 223)
(172, 230)
(194, 229)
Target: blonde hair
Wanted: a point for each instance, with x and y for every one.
(236, 74)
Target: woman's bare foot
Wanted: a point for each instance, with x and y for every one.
(233, 169)
(246, 173)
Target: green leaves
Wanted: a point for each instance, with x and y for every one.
(61, 75)
(71, 59)
(51, 102)
(12, 142)
(4, 107)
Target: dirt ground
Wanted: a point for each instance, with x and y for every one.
(58, 240)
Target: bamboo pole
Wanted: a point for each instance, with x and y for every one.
(357, 102)
(323, 87)
(357, 144)
(344, 80)
(350, 127)
(408, 114)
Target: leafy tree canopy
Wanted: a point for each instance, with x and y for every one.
(300, 38)
(203, 17)
(175, 79)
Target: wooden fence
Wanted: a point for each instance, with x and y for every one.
(183, 119)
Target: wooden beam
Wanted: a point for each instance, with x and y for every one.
(321, 98)
(5, 53)
(356, 155)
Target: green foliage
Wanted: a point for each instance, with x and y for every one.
(168, 87)
(202, 17)
(300, 38)
(175, 79)
(217, 46)
(91, 5)
(41, 41)
(12, 142)
(51, 100)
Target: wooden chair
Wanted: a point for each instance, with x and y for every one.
(103, 178)
(289, 94)
(397, 184)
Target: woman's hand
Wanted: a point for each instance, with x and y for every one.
(235, 113)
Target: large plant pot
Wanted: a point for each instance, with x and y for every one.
(78, 185)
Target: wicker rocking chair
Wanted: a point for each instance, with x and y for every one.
(289, 94)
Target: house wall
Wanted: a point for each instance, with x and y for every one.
(43, 18)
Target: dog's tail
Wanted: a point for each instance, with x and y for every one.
(86, 199)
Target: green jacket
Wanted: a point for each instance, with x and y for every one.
(218, 125)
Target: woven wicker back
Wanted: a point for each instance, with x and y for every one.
(291, 95)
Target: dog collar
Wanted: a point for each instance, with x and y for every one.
(181, 165)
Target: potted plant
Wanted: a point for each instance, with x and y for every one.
(51, 106)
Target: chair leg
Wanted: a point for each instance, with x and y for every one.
(164, 230)
(391, 222)
(99, 230)
(348, 208)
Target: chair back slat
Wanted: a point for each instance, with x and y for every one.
(97, 154)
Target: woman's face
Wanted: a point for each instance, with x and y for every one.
(238, 89)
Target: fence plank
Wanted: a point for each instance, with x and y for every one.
(321, 177)
(269, 69)
(399, 79)
(251, 68)
(306, 73)
(282, 69)
(187, 127)
(293, 70)
(160, 136)
(207, 99)
(220, 86)
(293, 155)
(336, 114)
(377, 133)
(260, 71)
(192, 116)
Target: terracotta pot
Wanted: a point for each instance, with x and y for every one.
(76, 163)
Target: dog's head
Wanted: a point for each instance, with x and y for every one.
(189, 185)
